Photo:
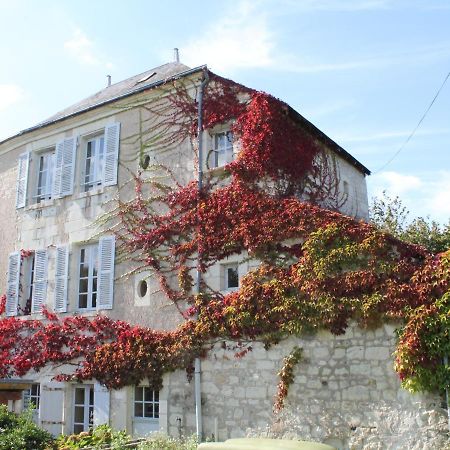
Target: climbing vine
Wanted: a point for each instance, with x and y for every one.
(276, 203)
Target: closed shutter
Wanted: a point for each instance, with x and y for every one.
(106, 251)
(12, 292)
(51, 409)
(39, 281)
(101, 404)
(112, 138)
(61, 278)
(65, 158)
(22, 180)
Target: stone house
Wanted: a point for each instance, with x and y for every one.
(57, 178)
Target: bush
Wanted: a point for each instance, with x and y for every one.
(99, 437)
(19, 432)
(163, 442)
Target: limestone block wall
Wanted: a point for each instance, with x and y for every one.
(345, 393)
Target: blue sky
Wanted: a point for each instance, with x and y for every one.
(363, 71)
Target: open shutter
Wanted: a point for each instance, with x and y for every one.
(65, 158)
(22, 180)
(101, 404)
(112, 138)
(106, 251)
(61, 278)
(51, 409)
(12, 293)
(39, 281)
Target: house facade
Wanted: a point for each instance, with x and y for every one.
(60, 177)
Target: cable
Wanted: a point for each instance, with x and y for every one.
(415, 129)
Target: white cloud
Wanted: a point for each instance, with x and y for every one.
(9, 95)
(239, 40)
(82, 49)
(427, 195)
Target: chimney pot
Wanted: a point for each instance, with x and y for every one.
(176, 55)
(109, 80)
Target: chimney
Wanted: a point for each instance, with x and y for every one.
(109, 80)
(176, 55)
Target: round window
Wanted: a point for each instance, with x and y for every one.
(145, 161)
(142, 288)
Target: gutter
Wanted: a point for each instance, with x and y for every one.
(197, 362)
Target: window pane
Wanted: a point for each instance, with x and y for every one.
(148, 394)
(83, 286)
(82, 302)
(138, 410)
(78, 428)
(156, 396)
(91, 396)
(79, 396)
(79, 414)
(232, 277)
(148, 409)
(138, 394)
(156, 415)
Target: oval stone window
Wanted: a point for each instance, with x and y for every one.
(142, 288)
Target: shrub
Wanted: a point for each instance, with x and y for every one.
(19, 432)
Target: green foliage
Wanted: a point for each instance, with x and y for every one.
(19, 432)
(98, 437)
(389, 215)
(163, 442)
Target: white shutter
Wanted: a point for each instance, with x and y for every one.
(61, 278)
(112, 138)
(39, 281)
(12, 293)
(101, 404)
(51, 409)
(106, 251)
(22, 180)
(65, 159)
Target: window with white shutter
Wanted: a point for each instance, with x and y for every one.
(22, 180)
(61, 278)
(65, 158)
(112, 138)
(106, 253)
(13, 280)
(101, 404)
(39, 281)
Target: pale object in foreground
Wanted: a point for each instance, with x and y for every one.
(263, 444)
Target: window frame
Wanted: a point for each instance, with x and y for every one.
(228, 150)
(49, 154)
(92, 264)
(226, 284)
(87, 405)
(28, 395)
(98, 167)
(155, 402)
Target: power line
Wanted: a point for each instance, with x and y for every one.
(417, 126)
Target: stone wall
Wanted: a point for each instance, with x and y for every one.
(345, 393)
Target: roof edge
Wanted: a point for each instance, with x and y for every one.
(111, 100)
(327, 140)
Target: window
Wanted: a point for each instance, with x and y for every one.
(32, 396)
(83, 408)
(231, 276)
(88, 272)
(94, 162)
(146, 402)
(44, 176)
(96, 275)
(26, 295)
(222, 153)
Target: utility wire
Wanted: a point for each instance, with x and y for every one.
(415, 129)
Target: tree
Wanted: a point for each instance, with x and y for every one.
(390, 215)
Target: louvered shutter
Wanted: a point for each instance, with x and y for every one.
(51, 409)
(39, 281)
(61, 278)
(101, 404)
(112, 138)
(106, 251)
(22, 180)
(12, 292)
(65, 158)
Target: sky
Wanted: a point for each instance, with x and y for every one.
(363, 71)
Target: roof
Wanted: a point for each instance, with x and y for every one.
(155, 77)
